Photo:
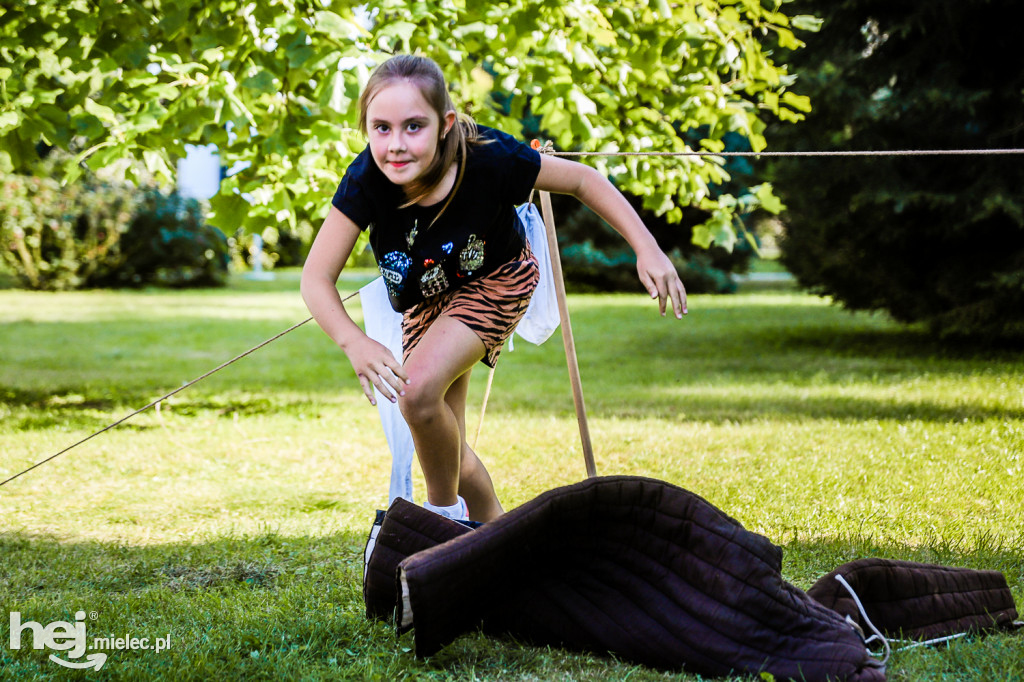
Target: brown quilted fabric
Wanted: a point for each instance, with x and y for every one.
(634, 567)
(407, 529)
(919, 601)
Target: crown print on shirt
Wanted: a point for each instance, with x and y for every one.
(472, 256)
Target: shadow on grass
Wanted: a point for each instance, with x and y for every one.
(77, 374)
(751, 328)
(676, 404)
(633, 363)
(757, 362)
(33, 409)
(260, 561)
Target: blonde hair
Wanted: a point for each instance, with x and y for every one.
(426, 75)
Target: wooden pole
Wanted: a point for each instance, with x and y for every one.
(567, 340)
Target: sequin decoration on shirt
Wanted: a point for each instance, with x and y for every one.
(394, 267)
(410, 238)
(433, 281)
(472, 256)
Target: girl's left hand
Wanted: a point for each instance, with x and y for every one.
(659, 277)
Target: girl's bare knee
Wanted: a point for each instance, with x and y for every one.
(420, 403)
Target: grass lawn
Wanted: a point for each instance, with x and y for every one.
(232, 519)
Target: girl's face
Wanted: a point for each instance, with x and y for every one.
(404, 131)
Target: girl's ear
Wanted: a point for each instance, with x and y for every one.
(449, 121)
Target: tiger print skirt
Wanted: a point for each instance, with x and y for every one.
(491, 306)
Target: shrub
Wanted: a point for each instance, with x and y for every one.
(169, 244)
(56, 238)
(100, 234)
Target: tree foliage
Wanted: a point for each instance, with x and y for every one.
(926, 238)
(274, 84)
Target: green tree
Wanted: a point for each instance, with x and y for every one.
(938, 240)
(274, 83)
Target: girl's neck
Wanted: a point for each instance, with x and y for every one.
(443, 187)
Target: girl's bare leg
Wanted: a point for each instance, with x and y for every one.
(475, 484)
(445, 354)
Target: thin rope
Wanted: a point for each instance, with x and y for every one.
(907, 644)
(928, 642)
(168, 395)
(864, 615)
(895, 152)
(483, 406)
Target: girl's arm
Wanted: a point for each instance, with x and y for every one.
(656, 271)
(372, 361)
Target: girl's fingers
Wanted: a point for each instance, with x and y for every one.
(664, 284)
(367, 389)
(648, 282)
(377, 368)
(671, 287)
(398, 370)
(662, 292)
(393, 383)
(382, 386)
(383, 381)
(678, 297)
(388, 377)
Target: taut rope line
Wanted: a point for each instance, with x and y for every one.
(895, 152)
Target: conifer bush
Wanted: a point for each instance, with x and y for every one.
(934, 240)
(169, 244)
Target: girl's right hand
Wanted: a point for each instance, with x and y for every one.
(376, 367)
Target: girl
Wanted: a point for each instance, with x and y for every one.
(438, 195)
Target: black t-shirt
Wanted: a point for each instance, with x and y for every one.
(477, 233)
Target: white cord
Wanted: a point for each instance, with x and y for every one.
(864, 615)
(937, 640)
(879, 636)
